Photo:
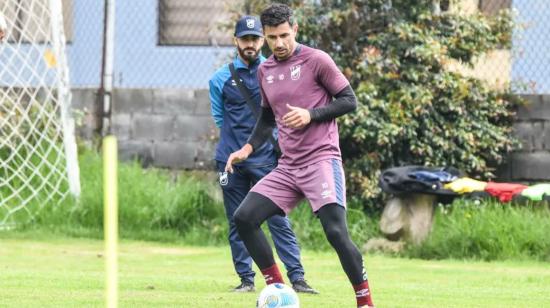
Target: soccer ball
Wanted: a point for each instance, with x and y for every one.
(278, 295)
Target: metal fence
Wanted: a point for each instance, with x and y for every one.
(158, 44)
(530, 56)
(524, 65)
(179, 44)
(167, 50)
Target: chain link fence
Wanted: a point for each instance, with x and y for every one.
(523, 65)
(158, 44)
(179, 44)
(530, 55)
(166, 51)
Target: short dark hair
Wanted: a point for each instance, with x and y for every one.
(276, 14)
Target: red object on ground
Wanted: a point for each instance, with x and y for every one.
(504, 191)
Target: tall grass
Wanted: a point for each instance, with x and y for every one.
(159, 205)
(488, 231)
(182, 207)
(31, 157)
(153, 205)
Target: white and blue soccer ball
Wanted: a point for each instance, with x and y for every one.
(278, 295)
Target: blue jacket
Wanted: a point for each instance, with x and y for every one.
(232, 114)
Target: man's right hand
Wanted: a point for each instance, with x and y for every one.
(237, 157)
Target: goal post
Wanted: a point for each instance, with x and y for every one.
(38, 152)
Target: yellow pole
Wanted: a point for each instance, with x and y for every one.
(110, 218)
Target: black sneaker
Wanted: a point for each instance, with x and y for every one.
(301, 286)
(245, 286)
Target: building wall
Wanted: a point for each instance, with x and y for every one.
(169, 128)
(161, 110)
(140, 62)
(532, 128)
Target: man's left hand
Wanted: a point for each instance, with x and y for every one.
(297, 117)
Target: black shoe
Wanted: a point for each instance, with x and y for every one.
(245, 286)
(301, 286)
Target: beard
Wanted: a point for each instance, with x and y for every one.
(248, 54)
(282, 53)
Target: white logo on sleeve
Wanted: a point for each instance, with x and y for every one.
(250, 23)
(295, 72)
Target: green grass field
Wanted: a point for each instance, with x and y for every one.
(44, 271)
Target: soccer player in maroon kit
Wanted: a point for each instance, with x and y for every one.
(303, 92)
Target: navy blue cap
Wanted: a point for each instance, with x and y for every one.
(248, 25)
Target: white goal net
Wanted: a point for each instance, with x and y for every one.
(38, 160)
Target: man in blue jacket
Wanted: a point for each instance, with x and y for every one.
(236, 121)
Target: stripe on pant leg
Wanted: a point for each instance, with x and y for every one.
(337, 174)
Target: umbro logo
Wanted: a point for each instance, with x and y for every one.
(362, 293)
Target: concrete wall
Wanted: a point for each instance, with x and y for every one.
(532, 128)
(173, 128)
(169, 128)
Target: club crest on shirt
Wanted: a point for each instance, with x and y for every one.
(295, 72)
(282, 77)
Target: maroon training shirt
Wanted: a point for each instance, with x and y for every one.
(308, 79)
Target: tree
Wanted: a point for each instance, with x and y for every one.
(412, 110)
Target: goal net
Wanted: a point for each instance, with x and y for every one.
(38, 156)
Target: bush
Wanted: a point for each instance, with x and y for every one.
(412, 110)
